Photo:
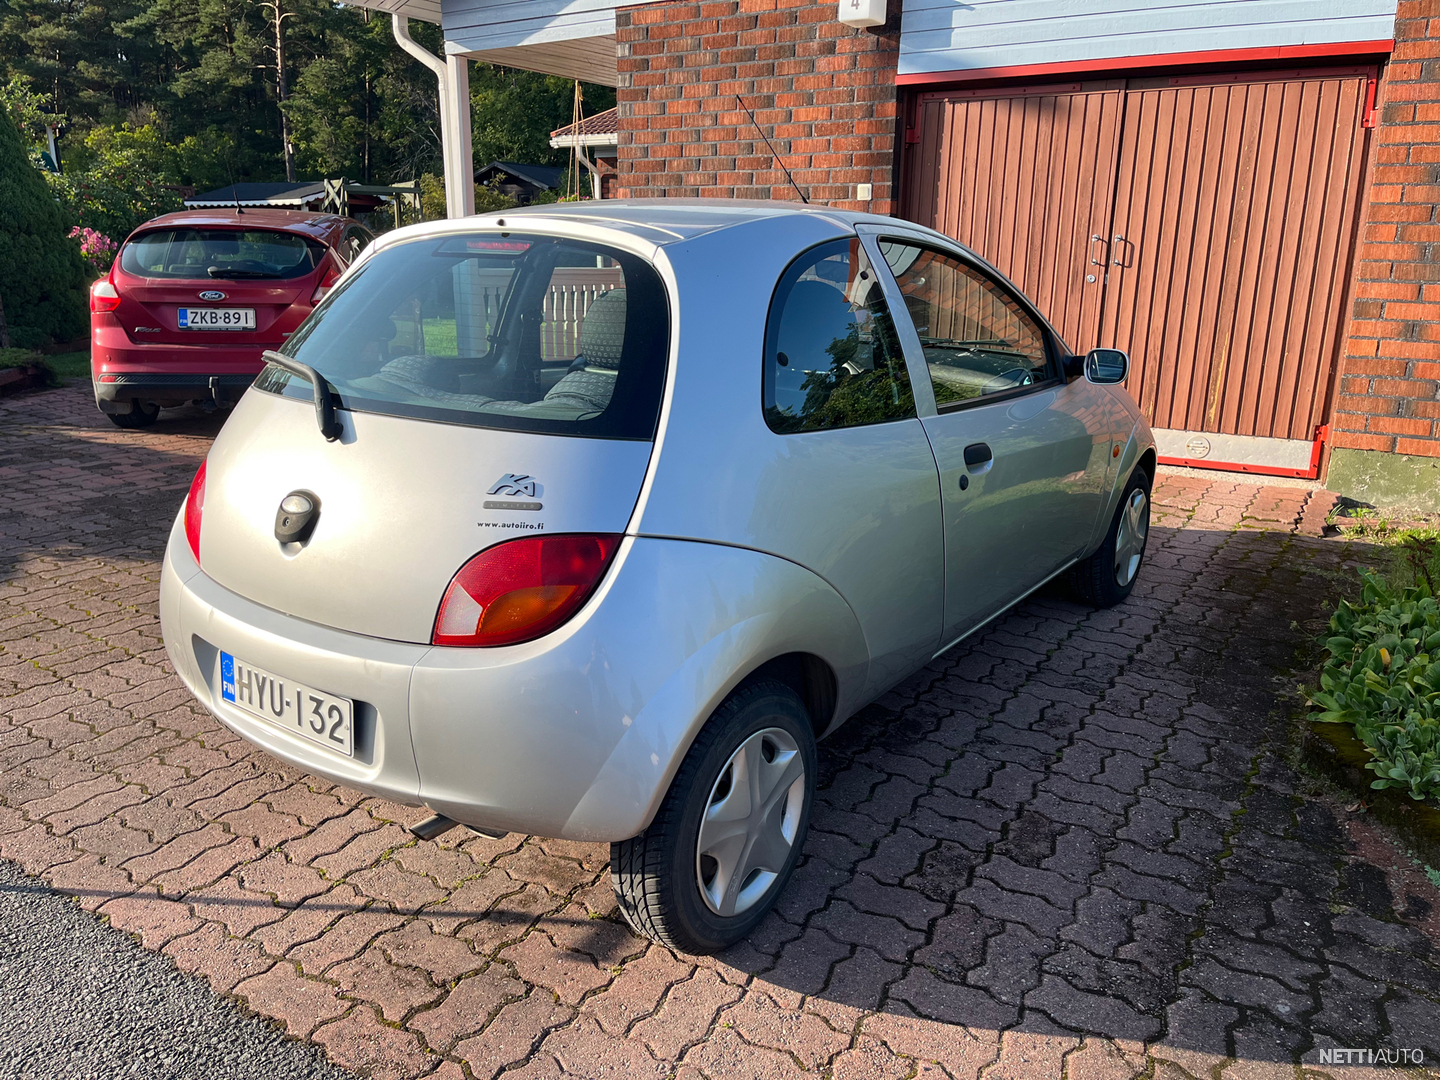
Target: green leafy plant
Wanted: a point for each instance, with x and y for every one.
(1418, 559)
(13, 358)
(1383, 678)
(123, 182)
(42, 277)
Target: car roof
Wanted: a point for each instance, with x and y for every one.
(669, 221)
(307, 223)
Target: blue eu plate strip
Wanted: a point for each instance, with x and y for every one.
(227, 676)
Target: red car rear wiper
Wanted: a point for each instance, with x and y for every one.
(226, 272)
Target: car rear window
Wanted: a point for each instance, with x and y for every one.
(228, 254)
(527, 333)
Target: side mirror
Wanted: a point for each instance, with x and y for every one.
(1106, 365)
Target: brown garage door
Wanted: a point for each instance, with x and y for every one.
(1226, 209)
(1026, 180)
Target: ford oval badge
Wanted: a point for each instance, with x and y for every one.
(212, 294)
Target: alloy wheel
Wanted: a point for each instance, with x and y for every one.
(750, 822)
(1130, 536)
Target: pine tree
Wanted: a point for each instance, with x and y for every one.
(42, 278)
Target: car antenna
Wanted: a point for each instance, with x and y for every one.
(776, 156)
(234, 188)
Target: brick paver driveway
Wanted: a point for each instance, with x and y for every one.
(1072, 845)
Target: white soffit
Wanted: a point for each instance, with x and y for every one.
(590, 59)
(424, 10)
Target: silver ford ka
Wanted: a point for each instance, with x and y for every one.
(588, 521)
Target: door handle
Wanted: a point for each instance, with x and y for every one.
(1104, 258)
(978, 458)
(1124, 251)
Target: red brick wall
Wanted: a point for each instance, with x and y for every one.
(1389, 396)
(824, 93)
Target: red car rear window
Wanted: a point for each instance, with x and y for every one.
(227, 254)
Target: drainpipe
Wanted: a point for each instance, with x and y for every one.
(453, 73)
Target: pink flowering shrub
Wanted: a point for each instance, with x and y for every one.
(97, 248)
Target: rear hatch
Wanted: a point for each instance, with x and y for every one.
(167, 271)
(158, 306)
(485, 392)
(403, 504)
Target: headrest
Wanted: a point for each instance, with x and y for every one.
(602, 334)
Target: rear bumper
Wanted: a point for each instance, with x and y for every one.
(123, 371)
(576, 735)
(115, 392)
(199, 617)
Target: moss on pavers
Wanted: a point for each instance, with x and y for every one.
(1334, 752)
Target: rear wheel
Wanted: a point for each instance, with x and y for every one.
(1108, 576)
(141, 414)
(726, 838)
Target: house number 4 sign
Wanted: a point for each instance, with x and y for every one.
(862, 12)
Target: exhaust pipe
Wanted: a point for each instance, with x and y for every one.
(438, 824)
(433, 826)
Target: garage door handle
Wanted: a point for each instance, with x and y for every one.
(1124, 251)
(977, 455)
(1104, 257)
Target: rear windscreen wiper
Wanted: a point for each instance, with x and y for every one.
(324, 411)
(225, 272)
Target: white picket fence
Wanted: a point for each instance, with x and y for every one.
(572, 291)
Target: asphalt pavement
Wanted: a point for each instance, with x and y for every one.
(80, 1001)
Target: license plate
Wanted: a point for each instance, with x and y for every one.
(322, 718)
(216, 318)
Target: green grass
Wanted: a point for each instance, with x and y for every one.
(17, 358)
(61, 366)
(70, 365)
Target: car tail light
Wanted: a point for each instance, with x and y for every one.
(522, 589)
(195, 510)
(331, 276)
(104, 296)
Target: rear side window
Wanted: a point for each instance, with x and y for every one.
(231, 254)
(355, 240)
(832, 359)
(518, 332)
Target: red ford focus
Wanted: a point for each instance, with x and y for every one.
(194, 298)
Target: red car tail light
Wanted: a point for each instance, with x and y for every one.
(104, 296)
(522, 589)
(331, 276)
(195, 510)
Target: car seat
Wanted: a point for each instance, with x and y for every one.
(582, 392)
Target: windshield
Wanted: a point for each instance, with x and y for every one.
(494, 330)
(232, 254)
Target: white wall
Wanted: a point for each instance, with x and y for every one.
(951, 35)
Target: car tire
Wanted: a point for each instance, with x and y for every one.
(669, 885)
(142, 414)
(1108, 577)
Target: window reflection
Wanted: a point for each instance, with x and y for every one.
(976, 338)
(832, 359)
